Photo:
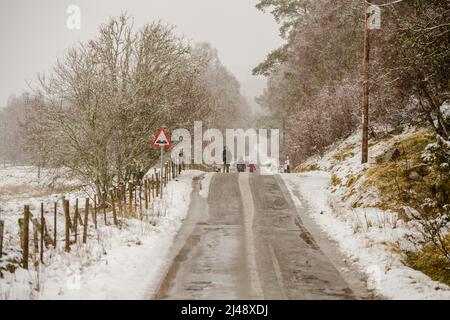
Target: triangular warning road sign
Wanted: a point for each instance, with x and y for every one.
(162, 140)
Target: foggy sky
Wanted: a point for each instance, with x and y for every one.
(34, 33)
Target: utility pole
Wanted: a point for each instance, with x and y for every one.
(365, 101)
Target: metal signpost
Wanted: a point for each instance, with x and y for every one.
(161, 141)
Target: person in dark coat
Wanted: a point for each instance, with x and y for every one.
(180, 162)
(287, 165)
(226, 157)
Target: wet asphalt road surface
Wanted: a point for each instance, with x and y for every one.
(248, 241)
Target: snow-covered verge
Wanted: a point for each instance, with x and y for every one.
(205, 183)
(368, 235)
(115, 263)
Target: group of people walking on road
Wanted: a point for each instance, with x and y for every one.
(241, 164)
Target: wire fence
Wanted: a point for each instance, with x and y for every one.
(127, 200)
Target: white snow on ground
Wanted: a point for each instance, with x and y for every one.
(205, 183)
(24, 175)
(269, 167)
(23, 182)
(364, 234)
(114, 264)
(445, 109)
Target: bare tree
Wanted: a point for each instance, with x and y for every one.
(95, 111)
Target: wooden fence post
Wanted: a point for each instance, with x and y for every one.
(124, 195)
(80, 220)
(135, 188)
(55, 234)
(67, 222)
(149, 186)
(158, 183)
(174, 170)
(94, 212)
(140, 200)
(153, 186)
(130, 197)
(25, 249)
(35, 240)
(70, 220)
(75, 221)
(146, 193)
(113, 208)
(104, 214)
(119, 198)
(149, 191)
(41, 252)
(86, 219)
(2, 227)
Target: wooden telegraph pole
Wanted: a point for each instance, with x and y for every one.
(365, 101)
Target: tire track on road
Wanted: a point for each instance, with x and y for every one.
(248, 209)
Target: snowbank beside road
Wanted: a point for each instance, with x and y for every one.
(364, 235)
(115, 264)
(205, 183)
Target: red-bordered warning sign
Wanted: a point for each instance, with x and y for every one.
(162, 140)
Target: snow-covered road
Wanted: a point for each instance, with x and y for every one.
(252, 244)
(223, 236)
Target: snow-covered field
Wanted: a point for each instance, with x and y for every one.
(364, 234)
(115, 263)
